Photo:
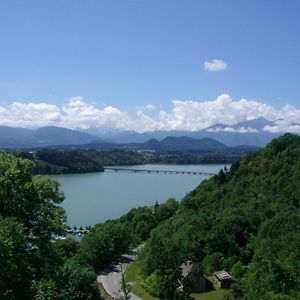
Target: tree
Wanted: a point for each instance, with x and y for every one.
(65, 249)
(14, 269)
(46, 290)
(166, 210)
(104, 243)
(77, 282)
(72, 282)
(32, 201)
(29, 216)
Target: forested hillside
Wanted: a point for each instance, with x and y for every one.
(245, 220)
(50, 161)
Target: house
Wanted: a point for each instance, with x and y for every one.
(223, 279)
(186, 268)
(193, 280)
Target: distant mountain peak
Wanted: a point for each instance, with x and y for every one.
(258, 123)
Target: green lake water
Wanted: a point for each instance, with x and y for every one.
(96, 197)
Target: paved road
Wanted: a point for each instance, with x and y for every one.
(111, 277)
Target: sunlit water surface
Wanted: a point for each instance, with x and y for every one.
(96, 197)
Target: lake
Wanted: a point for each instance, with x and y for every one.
(96, 197)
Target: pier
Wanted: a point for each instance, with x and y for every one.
(186, 172)
(77, 231)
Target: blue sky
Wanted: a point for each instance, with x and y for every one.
(130, 53)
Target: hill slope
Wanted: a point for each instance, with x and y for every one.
(246, 220)
(182, 143)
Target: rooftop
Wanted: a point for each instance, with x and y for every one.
(186, 268)
(222, 275)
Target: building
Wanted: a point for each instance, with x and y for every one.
(193, 280)
(223, 279)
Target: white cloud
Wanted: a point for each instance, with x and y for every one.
(283, 126)
(215, 65)
(80, 114)
(187, 115)
(241, 129)
(30, 115)
(150, 107)
(197, 115)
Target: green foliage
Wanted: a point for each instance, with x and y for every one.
(105, 242)
(276, 260)
(245, 220)
(153, 284)
(65, 162)
(50, 161)
(72, 282)
(166, 210)
(15, 272)
(33, 201)
(77, 282)
(65, 249)
(31, 266)
(45, 290)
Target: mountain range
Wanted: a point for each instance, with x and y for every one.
(249, 133)
(46, 136)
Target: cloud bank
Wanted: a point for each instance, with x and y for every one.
(78, 113)
(241, 129)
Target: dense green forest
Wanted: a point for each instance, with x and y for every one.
(245, 220)
(106, 241)
(50, 161)
(198, 157)
(33, 266)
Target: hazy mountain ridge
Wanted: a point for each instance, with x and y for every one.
(172, 144)
(42, 137)
(248, 133)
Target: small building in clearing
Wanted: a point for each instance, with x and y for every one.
(223, 279)
(195, 281)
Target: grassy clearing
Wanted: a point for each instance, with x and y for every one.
(134, 272)
(142, 293)
(212, 295)
(135, 276)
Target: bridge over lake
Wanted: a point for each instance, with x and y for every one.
(118, 169)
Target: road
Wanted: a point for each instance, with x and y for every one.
(111, 277)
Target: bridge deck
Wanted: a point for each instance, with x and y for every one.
(159, 171)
